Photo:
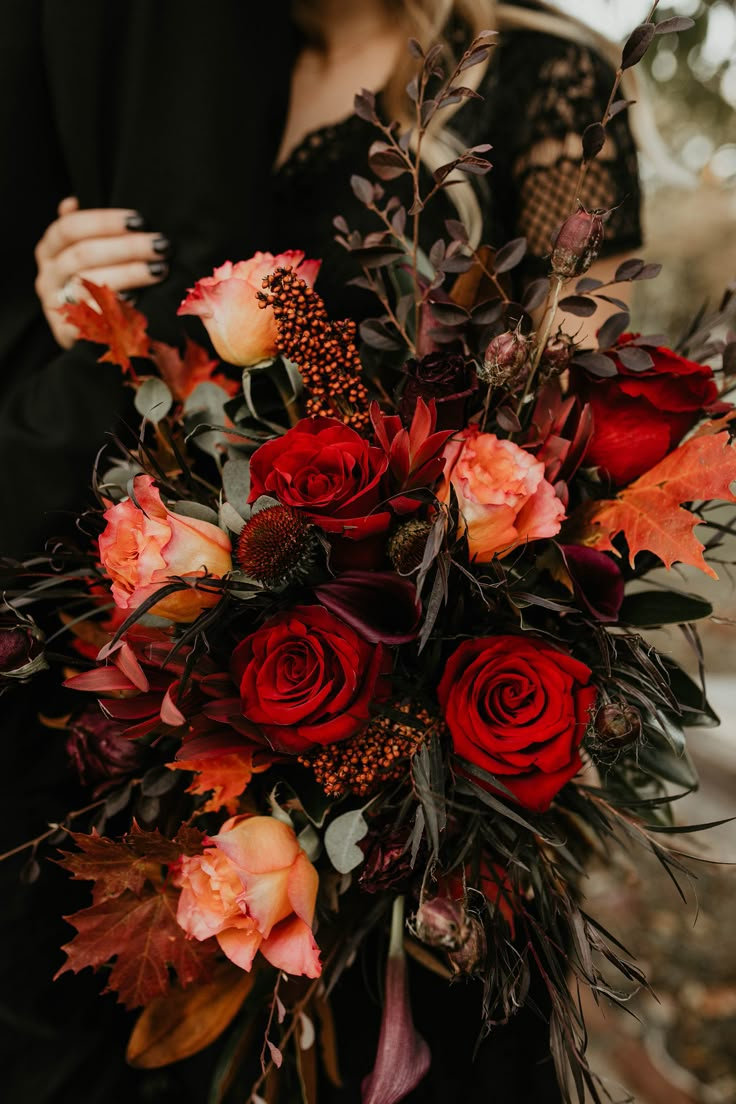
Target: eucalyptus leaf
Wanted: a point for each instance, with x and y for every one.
(153, 400)
(236, 484)
(310, 842)
(195, 510)
(230, 518)
(341, 840)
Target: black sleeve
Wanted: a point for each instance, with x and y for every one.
(545, 92)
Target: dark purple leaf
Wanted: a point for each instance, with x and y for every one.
(443, 171)
(437, 253)
(594, 139)
(674, 25)
(457, 263)
(612, 329)
(535, 294)
(635, 359)
(648, 272)
(361, 282)
(484, 314)
(404, 305)
(398, 222)
(415, 49)
(427, 111)
(580, 305)
(619, 106)
(412, 89)
(615, 302)
(651, 340)
(405, 139)
(456, 95)
(362, 189)
(509, 255)
(378, 256)
(387, 163)
(456, 230)
(380, 605)
(597, 364)
(449, 314)
(729, 358)
(340, 224)
(474, 57)
(378, 336)
(507, 419)
(637, 44)
(474, 166)
(587, 284)
(364, 105)
(627, 270)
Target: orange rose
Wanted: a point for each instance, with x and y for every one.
(502, 494)
(144, 544)
(227, 303)
(255, 890)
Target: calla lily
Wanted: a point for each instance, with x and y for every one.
(403, 1056)
(380, 605)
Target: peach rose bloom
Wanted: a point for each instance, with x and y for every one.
(503, 497)
(255, 890)
(144, 544)
(243, 333)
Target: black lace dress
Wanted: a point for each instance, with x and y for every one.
(540, 92)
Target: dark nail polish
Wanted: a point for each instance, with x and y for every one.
(161, 244)
(157, 268)
(135, 222)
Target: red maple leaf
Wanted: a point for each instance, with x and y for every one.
(116, 324)
(649, 512)
(142, 936)
(183, 374)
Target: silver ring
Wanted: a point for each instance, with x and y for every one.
(66, 292)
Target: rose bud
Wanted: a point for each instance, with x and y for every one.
(100, 750)
(618, 725)
(505, 358)
(557, 355)
(577, 243)
(442, 922)
(21, 648)
(470, 956)
(448, 378)
(227, 302)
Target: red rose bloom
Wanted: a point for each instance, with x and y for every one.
(305, 677)
(640, 417)
(327, 471)
(518, 708)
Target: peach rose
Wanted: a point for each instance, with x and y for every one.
(503, 496)
(242, 333)
(144, 544)
(255, 890)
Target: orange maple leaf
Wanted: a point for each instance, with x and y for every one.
(181, 374)
(226, 775)
(649, 512)
(116, 324)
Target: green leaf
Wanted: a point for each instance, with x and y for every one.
(341, 840)
(153, 400)
(649, 608)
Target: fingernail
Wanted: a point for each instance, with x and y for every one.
(135, 222)
(157, 268)
(128, 296)
(161, 244)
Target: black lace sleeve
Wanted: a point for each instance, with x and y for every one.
(541, 93)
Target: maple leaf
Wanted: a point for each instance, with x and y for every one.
(183, 374)
(119, 866)
(226, 775)
(142, 936)
(649, 512)
(116, 324)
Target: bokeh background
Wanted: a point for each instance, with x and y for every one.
(680, 1048)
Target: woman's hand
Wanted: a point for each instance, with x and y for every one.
(104, 245)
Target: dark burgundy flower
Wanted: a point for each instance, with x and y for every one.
(381, 605)
(101, 750)
(505, 359)
(447, 378)
(21, 648)
(387, 861)
(597, 580)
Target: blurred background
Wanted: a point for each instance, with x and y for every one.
(680, 1048)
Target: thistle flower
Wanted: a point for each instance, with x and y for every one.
(505, 359)
(276, 546)
(577, 243)
(618, 725)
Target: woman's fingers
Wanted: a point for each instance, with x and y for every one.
(76, 225)
(90, 253)
(125, 277)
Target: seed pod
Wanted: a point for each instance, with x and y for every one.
(505, 359)
(557, 356)
(442, 922)
(618, 725)
(406, 547)
(577, 243)
(471, 955)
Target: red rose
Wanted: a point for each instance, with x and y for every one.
(305, 677)
(640, 417)
(327, 471)
(518, 708)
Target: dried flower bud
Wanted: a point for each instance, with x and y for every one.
(505, 359)
(406, 547)
(101, 751)
(577, 243)
(442, 922)
(276, 546)
(557, 355)
(618, 726)
(21, 648)
(387, 861)
(471, 955)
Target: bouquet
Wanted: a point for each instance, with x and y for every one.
(357, 637)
